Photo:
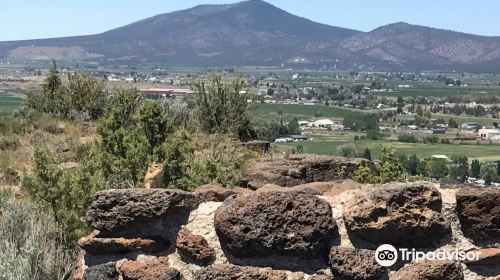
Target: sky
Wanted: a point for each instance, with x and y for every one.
(35, 19)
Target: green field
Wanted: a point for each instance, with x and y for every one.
(10, 102)
(328, 147)
(443, 91)
(304, 111)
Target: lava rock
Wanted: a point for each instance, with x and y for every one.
(479, 213)
(430, 270)
(194, 248)
(211, 192)
(157, 269)
(106, 271)
(297, 170)
(402, 214)
(140, 212)
(119, 245)
(276, 224)
(232, 272)
(355, 264)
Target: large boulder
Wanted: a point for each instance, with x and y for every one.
(479, 213)
(402, 214)
(156, 269)
(276, 224)
(297, 170)
(430, 270)
(233, 272)
(140, 212)
(106, 271)
(194, 248)
(355, 264)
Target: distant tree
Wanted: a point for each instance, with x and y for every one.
(299, 149)
(390, 168)
(475, 169)
(438, 169)
(347, 150)
(413, 162)
(367, 154)
(294, 127)
(488, 179)
(221, 107)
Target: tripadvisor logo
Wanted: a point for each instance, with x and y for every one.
(387, 255)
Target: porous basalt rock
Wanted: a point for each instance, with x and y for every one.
(211, 192)
(106, 271)
(355, 264)
(194, 248)
(430, 270)
(139, 212)
(276, 224)
(402, 214)
(479, 213)
(156, 269)
(297, 170)
(232, 272)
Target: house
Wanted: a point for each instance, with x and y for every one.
(470, 126)
(298, 137)
(303, 123)
(488, 133)
(441, 157)
(322, 123)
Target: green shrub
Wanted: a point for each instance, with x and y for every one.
(32, 244)
(9, 143)
(407, 138)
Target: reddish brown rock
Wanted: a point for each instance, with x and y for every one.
(99, 246)
(276, 224)
(355, 264)
(402, 214)
(157, 269)
(233, 272)
(297, 170)
(487, 256)
(211, 192)
(141, 213)
(79, 266)
(194, 248)
(479, 213)
(430, 270)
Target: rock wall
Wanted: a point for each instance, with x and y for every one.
(317, 231)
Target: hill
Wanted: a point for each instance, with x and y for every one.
(257, 33)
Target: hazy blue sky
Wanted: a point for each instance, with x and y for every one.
(29, 19)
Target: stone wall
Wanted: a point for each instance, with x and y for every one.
(321, 230)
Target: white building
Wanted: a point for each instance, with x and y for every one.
(322, 123)
(488, 133)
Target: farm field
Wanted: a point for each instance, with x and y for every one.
(328, 147)
(10, 102)
(443, 91)
(305, 111)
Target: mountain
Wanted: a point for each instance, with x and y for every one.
(257, 33)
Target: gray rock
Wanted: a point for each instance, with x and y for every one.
(105, 271)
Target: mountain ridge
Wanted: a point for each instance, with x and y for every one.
(255, 32)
